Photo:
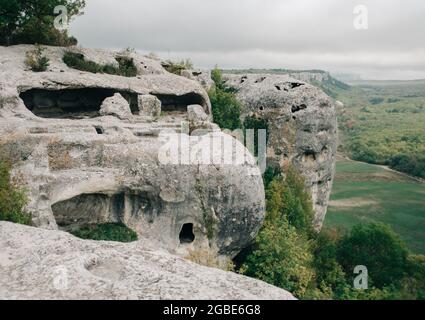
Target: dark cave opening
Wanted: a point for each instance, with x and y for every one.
(300, 107)
(98, 208)
(173, 103)
(186, 234)
(71, 103)
(99, 130)
(88, 209)
(85, 103)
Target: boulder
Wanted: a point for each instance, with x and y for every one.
(116, 106)
(196, 113)
(149, 105)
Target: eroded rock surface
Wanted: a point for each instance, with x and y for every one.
(302, 128)
(82, 165)
(43, 264)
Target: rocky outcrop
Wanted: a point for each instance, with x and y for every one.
(41, 264)
(302, 128)
(201, 76)
(83, 163)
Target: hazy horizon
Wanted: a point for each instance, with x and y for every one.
(266, 34)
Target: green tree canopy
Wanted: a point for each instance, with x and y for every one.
(31, 21)
(378, 248)
(281, 254)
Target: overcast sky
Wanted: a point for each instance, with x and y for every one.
(294, 34)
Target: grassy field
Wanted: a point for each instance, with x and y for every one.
(370, 193)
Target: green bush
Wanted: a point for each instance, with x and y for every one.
(378, 248)
(126, 67)
(226, 109)
(106, 232)
(12, 199)
(281, 254)
(410, 164)
(77, 61)
(280, 257)
(35, 60)
(288, 198)
(177, 67)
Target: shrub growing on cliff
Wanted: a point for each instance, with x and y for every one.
(35, 60)
(12, 199)
(280, 257)
(76, 60)
(106, 232)
(288, 198)
(226, 109)
(281, 254)
(177, 67)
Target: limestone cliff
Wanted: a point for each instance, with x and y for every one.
(302, 128)
(90, 149)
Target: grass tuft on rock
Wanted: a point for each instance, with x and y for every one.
(106, 232)
(76, 60)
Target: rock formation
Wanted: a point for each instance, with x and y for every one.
(202, 76)
(43, 264)
(116, 106)
(302, 128)
(84, 158)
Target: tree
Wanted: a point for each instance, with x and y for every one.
(281, 254)
(288, 198)
(32, 21)
(378, 248)
(329, 274)
(10, 19)
(281, 257)
(226, 109)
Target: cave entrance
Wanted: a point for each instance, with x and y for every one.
(71, 103)
(186, 234)
(99, 208)
(88, 209)
(179, 104)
